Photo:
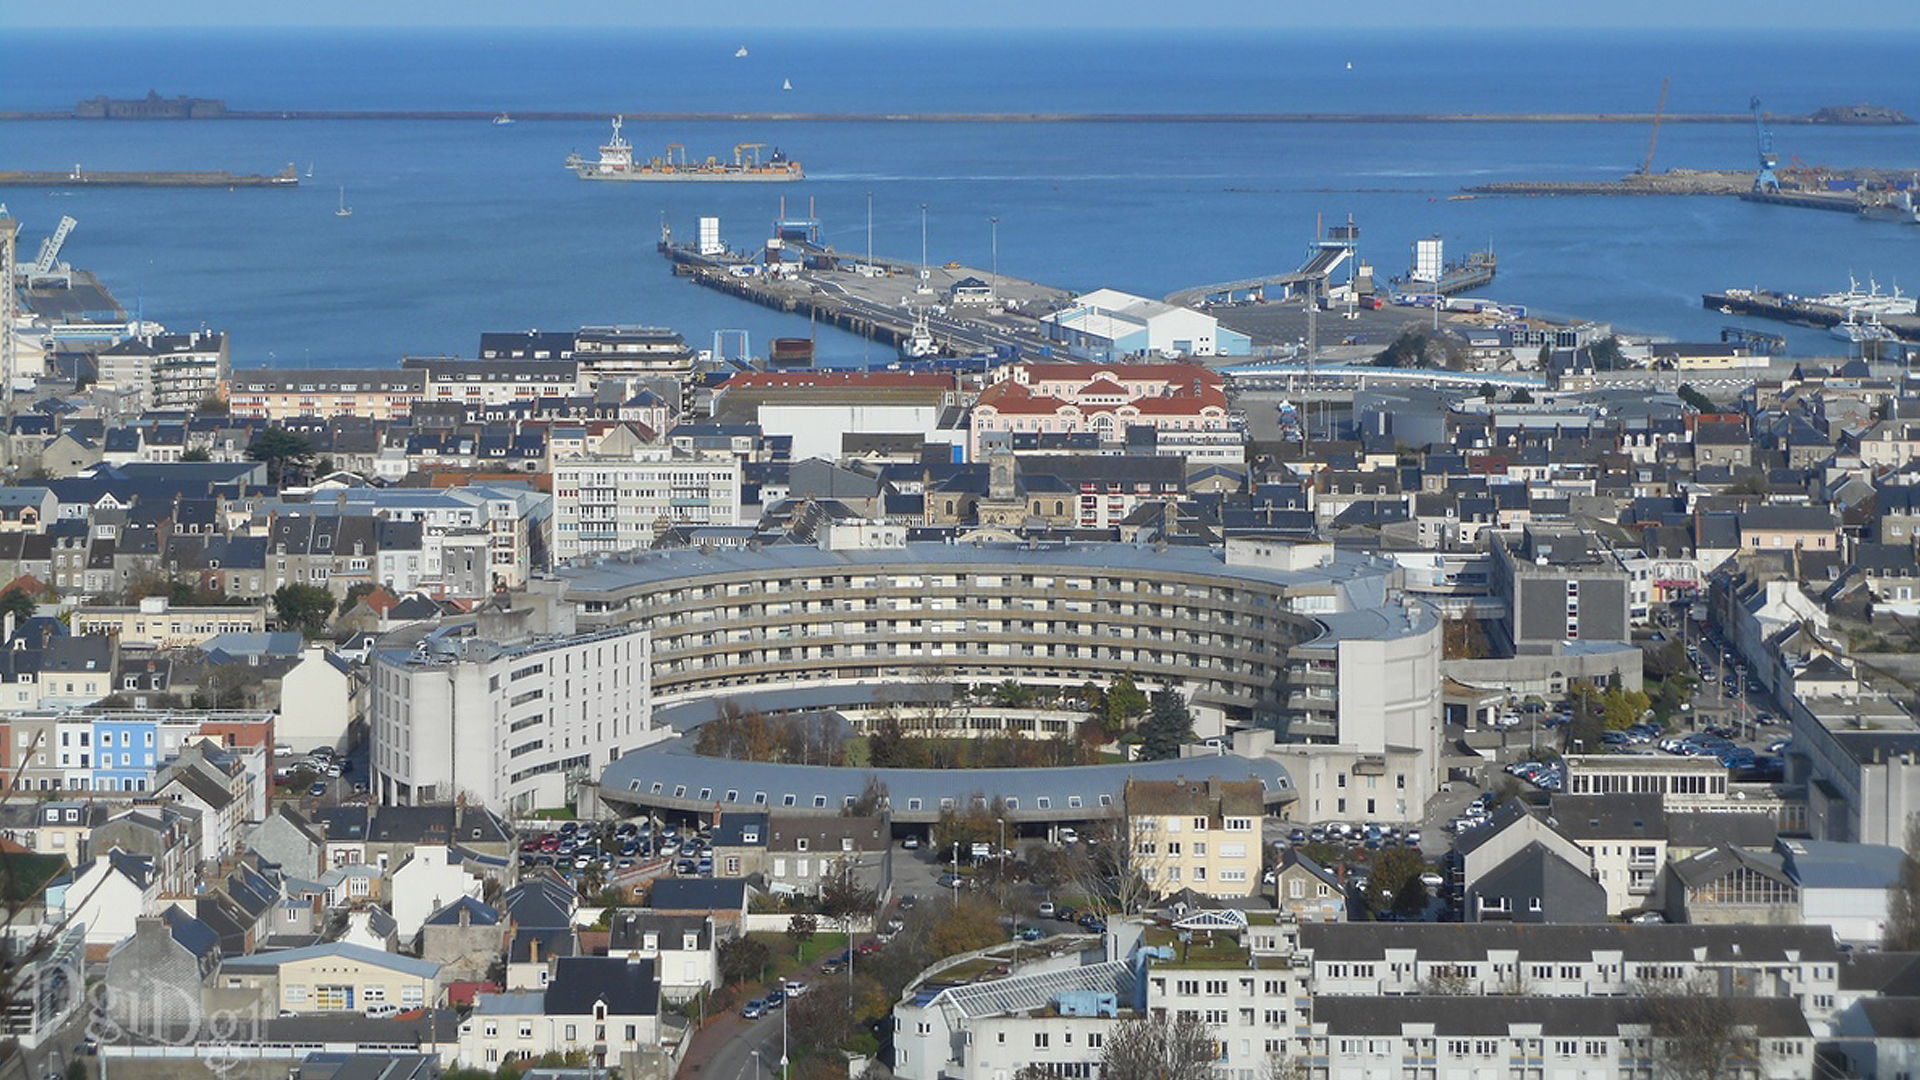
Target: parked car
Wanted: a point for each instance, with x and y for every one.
(383, 1010)
(754, 1010)
(795, 988)
(1046, 909)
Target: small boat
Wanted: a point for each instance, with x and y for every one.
(309, 170)
(786, 84)
(344, 210)
(502, 120)
(740, 52)
(1349, 65)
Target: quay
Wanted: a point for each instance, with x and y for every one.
(78, 177)
(883, 300)
(1786, 307)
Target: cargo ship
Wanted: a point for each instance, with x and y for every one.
(616, 162)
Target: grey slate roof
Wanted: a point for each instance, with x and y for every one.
(1828, 864)
(1471, 941)
(629, 987)
(1496, 1016)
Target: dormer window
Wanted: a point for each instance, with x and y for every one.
(800, 844)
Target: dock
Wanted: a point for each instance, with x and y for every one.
(78, 177)
(1786, 307)
(879, 300)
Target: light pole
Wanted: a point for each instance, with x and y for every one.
(993, 289)
(783, 1038)
(923, 246)
(956, 873)
(1003, 848)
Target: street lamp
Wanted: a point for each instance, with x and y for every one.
(993, 289)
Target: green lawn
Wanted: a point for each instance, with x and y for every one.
(784, 963)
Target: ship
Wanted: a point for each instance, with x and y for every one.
(1859, 333)
(616, 162)
(1897, 206)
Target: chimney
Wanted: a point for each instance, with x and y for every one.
(533, 949)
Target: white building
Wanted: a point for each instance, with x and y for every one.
(107, 896)
(620, 504)
(509, 727)
(165, 371)
(429, 880)
(316, 701)
(1107, 324)
(603, 1006)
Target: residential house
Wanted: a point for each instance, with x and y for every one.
(1202, 835)
(432, 877)
(682, 948)
(465, 938)
(803, 852)
(106, 895)
(156, 975)
(600, 1005)
(1308, 891)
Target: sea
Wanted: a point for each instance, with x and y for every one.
(460, 227)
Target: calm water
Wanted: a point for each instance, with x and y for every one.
(460, 227)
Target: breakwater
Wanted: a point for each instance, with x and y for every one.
(472, 116)
(78, 177)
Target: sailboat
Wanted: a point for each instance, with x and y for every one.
(786, 84)
(309, 170)
(345, 210)
(502, 120)
(740, 52)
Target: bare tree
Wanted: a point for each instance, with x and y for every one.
(1697, 1031)
(1118, 863)
(1903, 897)
(1159, 1048)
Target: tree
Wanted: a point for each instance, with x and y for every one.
(1158, 1049)
(972, 922)
(283, 452)
(1697, 400)
(17, 603)
(1521, 396)
(1606, 354)
(1903, 897)
(843, 898)
(1122, 702)
(1169, 727)
(303, 607)
(1698, 1034)
(198, 453)
(1396, 874)
(800, 930)
(742, 959)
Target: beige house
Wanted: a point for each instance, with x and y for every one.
(1202, 835)
(155, 624)
(333, 978)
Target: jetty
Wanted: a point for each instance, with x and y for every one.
(78, 177)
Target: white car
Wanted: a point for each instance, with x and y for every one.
(1432, 880)
(795, 988)
(1069, 836)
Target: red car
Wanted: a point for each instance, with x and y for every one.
(871, 945)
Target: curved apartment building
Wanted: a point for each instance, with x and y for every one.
(1215, 625)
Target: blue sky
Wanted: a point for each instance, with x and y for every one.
(978, 14)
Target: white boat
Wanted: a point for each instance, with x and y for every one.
(344, 210)
(1859, 333)
(919, 343)
(740, 52)
(786, 84)
(502, 120)
(309, 170)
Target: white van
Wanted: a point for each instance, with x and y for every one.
(382, 1010)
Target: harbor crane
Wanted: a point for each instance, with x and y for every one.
(1765, 182)
(1659, 112)
(47, 266)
